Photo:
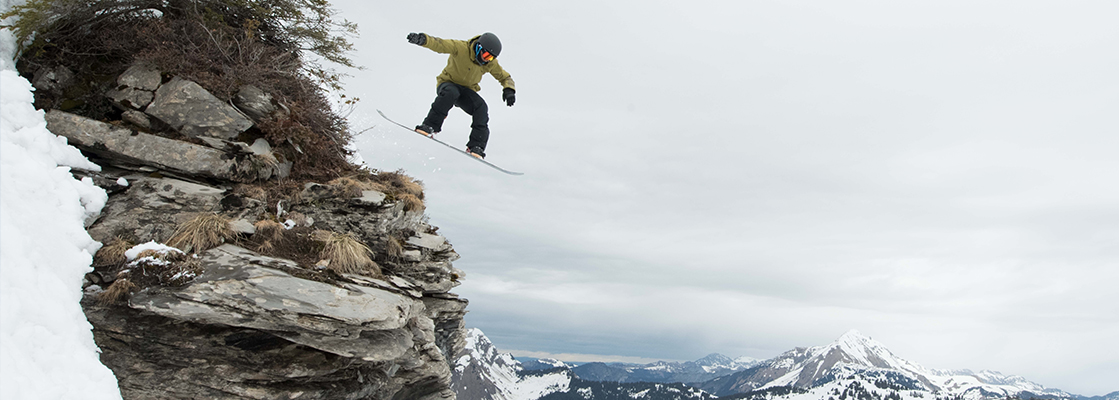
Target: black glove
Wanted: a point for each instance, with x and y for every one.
(417, 38)
(509, 95)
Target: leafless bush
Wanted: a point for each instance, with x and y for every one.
(220, 44)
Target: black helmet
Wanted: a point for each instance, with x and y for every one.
(486, 48)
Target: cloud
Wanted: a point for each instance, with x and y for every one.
(750, 177)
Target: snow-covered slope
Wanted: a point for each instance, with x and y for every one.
(483, 373)
(46, 346)
(853, 350)
(542, 363)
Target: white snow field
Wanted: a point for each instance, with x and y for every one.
(46, 344)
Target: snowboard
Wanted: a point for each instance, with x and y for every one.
(463, 152)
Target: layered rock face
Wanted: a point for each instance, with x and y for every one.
(244, 328)
(256, 318)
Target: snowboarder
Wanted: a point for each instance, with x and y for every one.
(458, 84)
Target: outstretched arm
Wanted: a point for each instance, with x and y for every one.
(438, 45)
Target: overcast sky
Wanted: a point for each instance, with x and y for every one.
(745, 177)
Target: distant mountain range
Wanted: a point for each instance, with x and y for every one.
(701, 370)
(852, 367)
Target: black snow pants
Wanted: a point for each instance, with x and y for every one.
(452, 94)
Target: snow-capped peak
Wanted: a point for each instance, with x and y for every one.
(484, 373)
(853, 351)
(715, 359)
(857, 356)
(861, 349)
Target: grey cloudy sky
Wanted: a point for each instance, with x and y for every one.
(745, 177)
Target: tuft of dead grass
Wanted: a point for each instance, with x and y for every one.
(411, 202)
(202, 233)
(402, 188)
(120, 289)
(269, 230)
(268, 233)
(112, 253)
(396, 185)
(349, 187)
(397, 182)
(346, 253)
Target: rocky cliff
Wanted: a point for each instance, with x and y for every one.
(275, 288)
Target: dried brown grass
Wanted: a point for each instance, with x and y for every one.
(149, 253)
(120, 289)
(269, 230)
(402, 188)
(202, 233)
(268, 233)
(349, 187)
(397, 182)
(347, 254)
(411, 202)
(399, 187)
(112, 253)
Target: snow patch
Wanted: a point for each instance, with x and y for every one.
(160, 248)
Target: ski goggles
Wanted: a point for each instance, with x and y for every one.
(483, 54)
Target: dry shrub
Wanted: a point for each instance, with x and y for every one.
(202, 233)
(220, 54)
(312, 140)
(347, 255)
(120, 289)
(113, 253)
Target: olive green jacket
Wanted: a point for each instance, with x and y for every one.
(461, 68)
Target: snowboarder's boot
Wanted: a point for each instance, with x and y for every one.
(425, 130)
(476, 152)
